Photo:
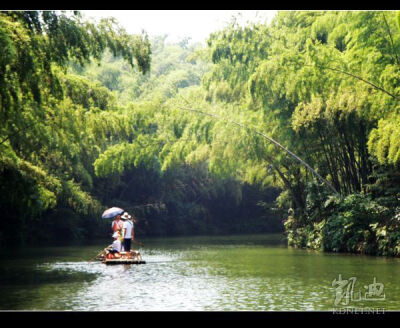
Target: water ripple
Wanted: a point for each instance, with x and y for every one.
(199, 277)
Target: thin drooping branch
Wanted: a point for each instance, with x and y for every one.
(359, 78)
(277, 144)
(391, 38)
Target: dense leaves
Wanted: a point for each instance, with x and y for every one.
(192, 146)
(84, 129)
(325, 85)
(46, 144)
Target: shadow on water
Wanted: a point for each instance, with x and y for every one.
(34, 277)
(30, 288)
(28, 279)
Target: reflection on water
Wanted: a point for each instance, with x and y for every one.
(201, 273)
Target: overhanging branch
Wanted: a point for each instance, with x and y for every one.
(277, 144)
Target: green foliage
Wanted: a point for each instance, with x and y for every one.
(35, 42)
(181, 146)
(348, 229)
(106, 135)
(47, 144)
(355, 224)
(86, 93)
(388, 236)
(122, 157)
(173, 68)
(325, 85)
(384, 141)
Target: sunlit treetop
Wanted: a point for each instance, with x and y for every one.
(33, 42)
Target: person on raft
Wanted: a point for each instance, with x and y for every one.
(128, 232)
(116, 245)
(113, 251)
(116, 225)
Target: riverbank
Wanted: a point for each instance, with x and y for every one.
(355, 224)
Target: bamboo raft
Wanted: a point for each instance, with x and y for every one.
(134, 258)
(123, 261)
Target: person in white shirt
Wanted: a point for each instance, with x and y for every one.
(127, 232)
(116, 245)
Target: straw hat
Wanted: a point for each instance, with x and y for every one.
(126, 216)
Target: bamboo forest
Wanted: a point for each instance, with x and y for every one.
(289, 129)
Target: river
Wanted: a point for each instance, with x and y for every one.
(219, 273)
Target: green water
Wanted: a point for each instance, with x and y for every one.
(256, 272)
